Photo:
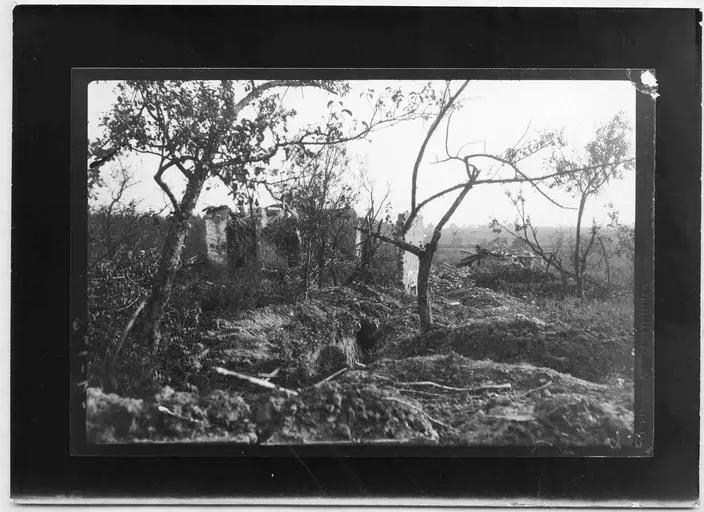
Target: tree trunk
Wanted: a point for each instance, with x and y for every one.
(563, 277)
(170, 262)
(306, 283)
(578, 267)
(108, 234)
(606, 261)
(424, 308)
(320, 257)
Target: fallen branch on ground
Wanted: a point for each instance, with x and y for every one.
(422, 393)
(525, 393)
(254, 380)
(430, 418)
(330, 377)
(269, 376)
(166, 411)
(488, 387)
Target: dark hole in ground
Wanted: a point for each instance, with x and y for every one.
(368, 336)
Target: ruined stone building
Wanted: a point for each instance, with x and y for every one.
(487, 257)
(217, 221)
(264, 237)
(268, 238)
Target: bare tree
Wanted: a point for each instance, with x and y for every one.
(478, 170)
(605, 159)
(370, 227)
(523, 229)
(114, 224)
(625, 235)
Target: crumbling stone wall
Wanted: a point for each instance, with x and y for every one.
(217, 221)
(268, 238)
(264, 238)
(407, 262)
(348, 238)
(279, 239)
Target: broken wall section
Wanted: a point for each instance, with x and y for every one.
(407, 272)
(217, 221)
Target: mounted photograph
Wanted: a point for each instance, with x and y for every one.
(368, 261)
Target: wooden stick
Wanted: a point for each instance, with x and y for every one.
(128, 328)
(533, 390)
(269, 376)
(422, 393)
(254, 380)
(488, 387)
(330, 377)
(164, 410)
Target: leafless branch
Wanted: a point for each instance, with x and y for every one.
(428, 135)
(254, 380)
(260, 89)
(397, 242)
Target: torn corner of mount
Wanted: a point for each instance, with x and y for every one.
(645, 83)
(648, 78)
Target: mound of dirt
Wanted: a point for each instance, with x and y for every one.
(350, 413)
(295, 337)
(111, 418)
(447, 399)
(169, 416)
(542, 406)
(334, 357)
(522, 339)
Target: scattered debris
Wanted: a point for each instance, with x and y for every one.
(254, 380)
(494, 371)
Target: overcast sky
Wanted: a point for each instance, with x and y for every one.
(494, 116)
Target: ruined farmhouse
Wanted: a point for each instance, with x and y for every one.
(263, 237)
(268, 238)
(524, 258)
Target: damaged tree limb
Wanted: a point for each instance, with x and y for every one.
(254, 380)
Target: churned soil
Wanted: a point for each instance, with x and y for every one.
(495, 371)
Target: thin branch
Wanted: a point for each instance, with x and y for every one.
(330, 377)
(168, 412)
(413, 249)
(518, 171)
(440, 194)
(428, 135)
(260, 89)
(254, 380)
(127, 329)
(437, 232)
(488, 387)
(539, 388)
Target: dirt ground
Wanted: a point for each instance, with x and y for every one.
(492, 372)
